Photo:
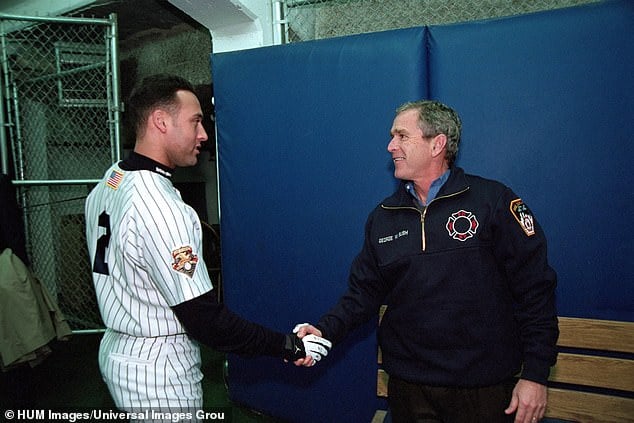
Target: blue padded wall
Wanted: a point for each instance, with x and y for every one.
(302, 137)
(547, 105)
(547, 102)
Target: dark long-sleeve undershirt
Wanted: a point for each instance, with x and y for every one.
(214, 325)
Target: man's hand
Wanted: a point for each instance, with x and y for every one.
(293, 348)
(316, 346)
(306, 351)
(302, 330)
(529, 400)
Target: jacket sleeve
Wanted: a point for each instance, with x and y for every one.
(520, 245)
(361, 301)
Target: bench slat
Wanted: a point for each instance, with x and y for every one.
(381, 383)
(603, 372)
(585, 407)
(605, 335)
(379, 416)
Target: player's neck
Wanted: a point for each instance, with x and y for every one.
(151, 151)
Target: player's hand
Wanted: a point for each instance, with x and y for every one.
(306, 351)
(304, 329)
(293, 348)
(316, 346)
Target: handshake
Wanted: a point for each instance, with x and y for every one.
(305, 346)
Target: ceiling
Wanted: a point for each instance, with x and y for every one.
(138, 16)
(234, 24)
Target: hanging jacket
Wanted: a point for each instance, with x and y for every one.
(29, 317)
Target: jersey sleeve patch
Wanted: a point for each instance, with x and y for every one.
(185, 260)
(114, 179)
(522, 214)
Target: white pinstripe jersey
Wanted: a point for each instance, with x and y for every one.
(145, 245)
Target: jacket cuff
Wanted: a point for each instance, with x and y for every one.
(536, 371)
(321, 329)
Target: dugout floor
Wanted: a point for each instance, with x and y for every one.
(70, 377)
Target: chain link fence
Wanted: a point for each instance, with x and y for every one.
(317, 19)
(57, 248)
(60, 118)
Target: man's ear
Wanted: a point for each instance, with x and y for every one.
(158, 119)
(438, 144)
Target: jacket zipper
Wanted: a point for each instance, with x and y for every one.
(423, 213)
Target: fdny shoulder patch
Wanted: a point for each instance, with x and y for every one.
(185, 260)
(522, 214)
(114, 179)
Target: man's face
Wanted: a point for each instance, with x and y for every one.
(411, 152)
(186, 132)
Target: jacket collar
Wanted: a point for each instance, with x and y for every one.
(401, 198)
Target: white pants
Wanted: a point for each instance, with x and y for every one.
(151, 377)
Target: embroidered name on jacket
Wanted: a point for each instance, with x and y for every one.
(462, 225)
(391, 238)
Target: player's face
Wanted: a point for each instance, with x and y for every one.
(410, 150)
(186, 131)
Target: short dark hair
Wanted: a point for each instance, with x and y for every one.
(154, 91)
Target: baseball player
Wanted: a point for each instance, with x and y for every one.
(153, 288)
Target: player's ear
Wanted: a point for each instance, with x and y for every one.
(158, 119)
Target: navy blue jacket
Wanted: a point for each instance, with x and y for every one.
(470, 294)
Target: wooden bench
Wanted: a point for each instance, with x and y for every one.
(593, 380)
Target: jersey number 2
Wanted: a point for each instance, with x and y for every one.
(100, 265)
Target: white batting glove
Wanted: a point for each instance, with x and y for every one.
(316, 346)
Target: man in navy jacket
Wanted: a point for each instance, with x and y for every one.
(470, 329)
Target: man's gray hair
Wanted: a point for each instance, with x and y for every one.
(436, 118)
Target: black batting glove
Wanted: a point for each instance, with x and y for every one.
(293, 348)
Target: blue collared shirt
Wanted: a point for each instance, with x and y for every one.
(433, 188)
